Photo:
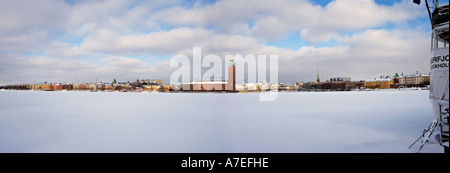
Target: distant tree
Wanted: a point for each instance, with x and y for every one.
(114, 81)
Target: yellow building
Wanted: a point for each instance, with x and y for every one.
(152, 88)
(36, 87)
(46, 87)
(109, 87)
(379, 83)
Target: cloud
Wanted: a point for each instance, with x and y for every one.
(164, 42)
(53, 40)
(27, 41)
(17, 68)
(122, 16)
(19, 15)
(362, 56)
(268, 20)
(260, 18)
(66, 50)
(352, 15)
(25, 26)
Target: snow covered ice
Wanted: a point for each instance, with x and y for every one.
(304, 122)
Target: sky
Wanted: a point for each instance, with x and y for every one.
(85, 41)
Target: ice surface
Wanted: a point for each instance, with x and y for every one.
(360, 121)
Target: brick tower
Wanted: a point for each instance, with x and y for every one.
(231, 76)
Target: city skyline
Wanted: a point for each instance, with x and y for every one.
(114, 80)
(63, 41)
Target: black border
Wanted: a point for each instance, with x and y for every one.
(303, 162)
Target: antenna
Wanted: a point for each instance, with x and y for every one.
(429, 13)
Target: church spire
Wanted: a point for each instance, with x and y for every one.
(318, 77)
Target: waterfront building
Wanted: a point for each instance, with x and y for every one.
(229, 85)
(417, 80)
(384, 83)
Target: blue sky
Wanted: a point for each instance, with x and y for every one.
(72, 40)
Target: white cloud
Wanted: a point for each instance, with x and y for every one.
(17, 68)
(164, 42)
(28, 25)
(65, 50)
(351, 15)
(36, 38)
(19, 15)
(364, 55)
(122, 16)
(276, 20)
(24, 42)
(37, 69)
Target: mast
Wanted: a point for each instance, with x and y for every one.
(439, 73)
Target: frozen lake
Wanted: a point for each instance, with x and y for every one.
(360, 121)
